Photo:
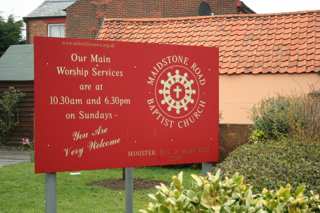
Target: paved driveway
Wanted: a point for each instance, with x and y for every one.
(8, 157)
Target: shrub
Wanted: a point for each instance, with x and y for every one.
(257, 135)
(272, 164)
(270, 117)
(307, 125)
(215, 194)
(9, 112)
(280, 117)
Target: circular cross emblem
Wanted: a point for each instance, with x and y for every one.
(177, 91)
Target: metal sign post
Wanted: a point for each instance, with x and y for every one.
(129, 189)
(206, 167)
(51, 195)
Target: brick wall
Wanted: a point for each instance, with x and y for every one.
(82, 20)
(232, 136)
(39, 26)
(85, 16)
(224, 7)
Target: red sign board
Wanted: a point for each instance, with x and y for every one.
(103, 104)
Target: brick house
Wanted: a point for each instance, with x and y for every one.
(260, 56)
(47, 20)
(57, 18)
(16, 64)
(60, 18)
(89, 13)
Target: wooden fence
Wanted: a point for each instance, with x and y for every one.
(25, 115)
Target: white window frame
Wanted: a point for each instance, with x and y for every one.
(52, 25)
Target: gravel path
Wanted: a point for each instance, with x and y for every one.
(8, 157)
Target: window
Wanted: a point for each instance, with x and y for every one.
(56, 30)
(204, 9)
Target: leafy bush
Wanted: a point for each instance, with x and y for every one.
(215, 194)
(9, 112)
(272, 164)
(257, 135)
(281, 117)
(271, 117)
(307, 127)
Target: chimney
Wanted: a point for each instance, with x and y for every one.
(238, 3)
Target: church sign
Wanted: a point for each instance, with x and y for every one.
(105, 104)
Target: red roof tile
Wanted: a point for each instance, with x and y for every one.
(266, 43)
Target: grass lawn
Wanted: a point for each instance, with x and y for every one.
(22, 191)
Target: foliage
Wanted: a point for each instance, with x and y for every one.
(257, 135)
(213, 193)
(280, 117)
(270, 117)
(26, 143)
(10, 33)
(306, 127)
(275, 163)
(9, 112)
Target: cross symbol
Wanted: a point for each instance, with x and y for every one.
(177, 90)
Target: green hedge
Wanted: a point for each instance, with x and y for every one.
(274, 164)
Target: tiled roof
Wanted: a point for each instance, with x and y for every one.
(267, 43)
(51, 8)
